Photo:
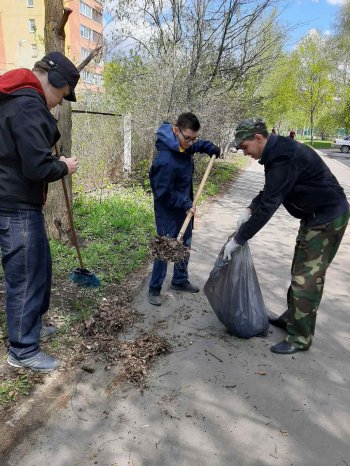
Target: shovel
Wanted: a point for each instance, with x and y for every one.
(81, 276)
(171, 249)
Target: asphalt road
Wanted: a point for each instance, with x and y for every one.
(337, 155)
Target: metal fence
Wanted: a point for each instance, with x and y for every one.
(102, 141)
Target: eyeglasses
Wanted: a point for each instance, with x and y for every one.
(188, 139)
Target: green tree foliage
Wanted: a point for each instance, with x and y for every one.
(341, 47)
(300, 90)
(313, 68)
(121, 78)
(280, 107)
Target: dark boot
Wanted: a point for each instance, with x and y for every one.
(154, 297)
(277, 321)
(286, 348)
(186, 286)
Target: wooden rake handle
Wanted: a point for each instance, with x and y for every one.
(197, 196)
(69, 213)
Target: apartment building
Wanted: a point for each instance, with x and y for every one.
(22, 25)
(84, 32)
(21, 33)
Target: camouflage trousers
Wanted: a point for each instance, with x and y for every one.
(314, 251)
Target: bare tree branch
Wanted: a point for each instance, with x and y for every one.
(62, 23)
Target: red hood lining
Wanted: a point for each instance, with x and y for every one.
(16, 80)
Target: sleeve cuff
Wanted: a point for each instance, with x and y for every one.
(239, 239)
(65, 168)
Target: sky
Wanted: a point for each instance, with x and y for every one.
(309, 14)
(300, 15)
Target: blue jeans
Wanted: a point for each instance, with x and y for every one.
(26, 261)
(180, 274)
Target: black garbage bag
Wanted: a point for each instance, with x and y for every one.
(234, 293)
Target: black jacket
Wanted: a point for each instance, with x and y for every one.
(297, 177)
(27, 133)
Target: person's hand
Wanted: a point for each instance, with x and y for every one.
(192, 210)
(230, 248)
(244, 217)
(71, 162)
(217, 152)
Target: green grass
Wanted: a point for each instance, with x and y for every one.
(222, 172)
(11, 389)
(319, 144)
(115, 231)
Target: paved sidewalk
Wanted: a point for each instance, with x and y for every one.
(335, 154)
(217, 400)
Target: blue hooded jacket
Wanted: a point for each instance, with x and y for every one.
(171, 179)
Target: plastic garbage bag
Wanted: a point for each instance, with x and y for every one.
(234, 293)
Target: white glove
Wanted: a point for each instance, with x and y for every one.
(230, 248)
(244, 217)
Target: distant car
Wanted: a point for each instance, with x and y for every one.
(343, 143)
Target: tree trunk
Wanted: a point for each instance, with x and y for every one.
(55, 212)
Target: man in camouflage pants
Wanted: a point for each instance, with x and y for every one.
(297, 177)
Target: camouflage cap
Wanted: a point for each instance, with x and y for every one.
(247, 128)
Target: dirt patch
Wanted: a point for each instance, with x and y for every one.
(28, 415)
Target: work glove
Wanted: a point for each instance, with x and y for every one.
(230, 248)
(244, 217)
(217, 152)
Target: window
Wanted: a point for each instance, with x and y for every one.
(32, 27)
(86, 32)
(30, 3)
(92, 78)
(97, 37)
(84, 53)
(97, 16)
(85, 10)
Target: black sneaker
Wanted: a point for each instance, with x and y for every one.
(154, 297)
(187, 286)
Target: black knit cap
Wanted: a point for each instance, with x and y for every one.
(62, 72)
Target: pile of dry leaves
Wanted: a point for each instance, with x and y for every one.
(138, 355)
(102, 331)
(169, 249)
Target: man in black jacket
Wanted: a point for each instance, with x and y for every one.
(297, 177)
(27, 133)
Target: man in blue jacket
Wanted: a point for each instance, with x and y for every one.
(297, 177)
(171, 181)
(27, 133)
